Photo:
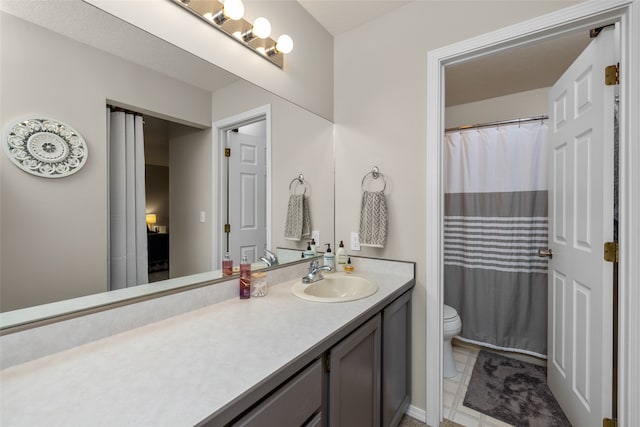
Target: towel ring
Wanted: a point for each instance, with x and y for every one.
(298, 181)
(375, 174)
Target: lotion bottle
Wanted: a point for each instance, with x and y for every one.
(245, 278)
(313, 247)
(227, 265)
(329, 259)
(341, 257)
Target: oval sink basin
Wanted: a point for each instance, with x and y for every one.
(335, 288)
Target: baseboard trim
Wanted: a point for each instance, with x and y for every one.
(417, 413)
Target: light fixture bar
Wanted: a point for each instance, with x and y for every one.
(241, 30)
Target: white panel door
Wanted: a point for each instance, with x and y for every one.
(247, 196)
(580, 221)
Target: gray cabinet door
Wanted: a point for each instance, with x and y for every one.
(354, 378)
(396, 360)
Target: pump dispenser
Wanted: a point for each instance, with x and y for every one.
(329, 259)
(313, 247)
(308, 253)
(341, 257)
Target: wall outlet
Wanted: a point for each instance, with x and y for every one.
(355, 241)
(315, 235)
(202, 216)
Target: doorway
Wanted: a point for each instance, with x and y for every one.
(243, 149)
(582, 17)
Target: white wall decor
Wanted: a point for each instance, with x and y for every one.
(45, 147)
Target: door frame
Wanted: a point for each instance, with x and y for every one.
(581, 16)
(220, 127)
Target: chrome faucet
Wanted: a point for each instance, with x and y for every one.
(270, 258)
(315, 272)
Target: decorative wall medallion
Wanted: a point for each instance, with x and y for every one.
(45, 147)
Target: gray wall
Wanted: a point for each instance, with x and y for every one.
(48, 253)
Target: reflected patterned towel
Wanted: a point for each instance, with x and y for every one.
(298, 222)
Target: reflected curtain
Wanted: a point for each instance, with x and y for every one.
(128, 265)
(495, 221)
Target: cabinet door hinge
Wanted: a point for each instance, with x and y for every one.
(612, 75)
(227, 152)
(327, 362)
(609, 422)
(611, 251)
(227, 228)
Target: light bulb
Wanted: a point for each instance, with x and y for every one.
(233, 9)
(284, 44)
(261, 28)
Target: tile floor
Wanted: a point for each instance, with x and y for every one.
(455, 388)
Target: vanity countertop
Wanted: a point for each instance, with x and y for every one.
(182, 370)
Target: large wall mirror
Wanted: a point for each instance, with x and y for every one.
(69, 61)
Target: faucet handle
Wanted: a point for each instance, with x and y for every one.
(313, 266)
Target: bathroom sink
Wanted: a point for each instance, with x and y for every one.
(335, 287)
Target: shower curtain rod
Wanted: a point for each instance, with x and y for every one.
(498, 123)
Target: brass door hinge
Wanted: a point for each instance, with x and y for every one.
(612, 75)
(609, 422)
(227, 152)
(611, 251)
(227, 228)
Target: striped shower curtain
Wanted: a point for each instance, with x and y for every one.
(495, 221)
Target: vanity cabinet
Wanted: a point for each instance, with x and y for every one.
(361, 378)
(370, 370)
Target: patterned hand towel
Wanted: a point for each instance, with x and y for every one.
(373, 219)
(298, 221)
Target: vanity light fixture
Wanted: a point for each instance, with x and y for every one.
(228, 18)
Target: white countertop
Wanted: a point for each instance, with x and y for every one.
(178, 371)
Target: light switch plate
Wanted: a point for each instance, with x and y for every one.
(355, 241)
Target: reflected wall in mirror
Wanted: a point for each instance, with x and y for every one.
(54, 233)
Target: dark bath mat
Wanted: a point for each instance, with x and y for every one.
(514, 392)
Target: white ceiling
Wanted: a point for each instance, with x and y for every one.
(516, 70)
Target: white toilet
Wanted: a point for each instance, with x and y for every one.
(452, 327)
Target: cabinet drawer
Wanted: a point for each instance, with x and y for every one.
(291, 405)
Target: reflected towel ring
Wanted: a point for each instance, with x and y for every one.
(375, 174)
(298, 181)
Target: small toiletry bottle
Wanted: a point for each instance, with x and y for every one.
(259, 284)
(308, 253)
(313, 247)
(329, 258)
(348, 268)
(341, 257)
(227, 265)
(245, 278)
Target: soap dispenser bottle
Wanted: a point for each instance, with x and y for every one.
(308, 253)
(329, 259)
(313, 247)
(227, 265)
(341, 257)
(245, 278)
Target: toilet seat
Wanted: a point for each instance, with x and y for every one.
(449, 313)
